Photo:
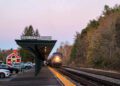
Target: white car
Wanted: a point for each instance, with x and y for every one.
(4, 73)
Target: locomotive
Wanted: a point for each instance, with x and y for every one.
(55, 60)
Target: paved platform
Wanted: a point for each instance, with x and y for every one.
(45, 78)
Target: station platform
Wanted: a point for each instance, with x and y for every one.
(45, 78)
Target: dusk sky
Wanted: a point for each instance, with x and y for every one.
(60, 19)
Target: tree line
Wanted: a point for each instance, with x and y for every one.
(98, 45)
(29, 31)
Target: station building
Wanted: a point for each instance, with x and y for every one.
(13, 58)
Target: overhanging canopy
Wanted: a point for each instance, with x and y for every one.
(40, 48)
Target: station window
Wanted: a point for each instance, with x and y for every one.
(13, 56)
(9, 59)
(18, 60)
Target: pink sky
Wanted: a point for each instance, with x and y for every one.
(58, 18)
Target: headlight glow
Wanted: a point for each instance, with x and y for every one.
(57, 59)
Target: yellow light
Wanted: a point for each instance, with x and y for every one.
(57, 59)
(62, 78)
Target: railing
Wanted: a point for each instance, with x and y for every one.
(36, 38)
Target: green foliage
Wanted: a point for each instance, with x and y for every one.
(84, 32)
(1, 57)
(74, 49)
(37, 33)
(108, 10)
(97, 62)
(73, 54)
(29, 31)
(26, 55)
(93, 23)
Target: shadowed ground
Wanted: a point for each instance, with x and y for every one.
(45, 78)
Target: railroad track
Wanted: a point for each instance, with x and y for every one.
(89, 79)
(76, 78)
(98, 72)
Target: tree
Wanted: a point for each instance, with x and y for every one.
(28, 31)
(98, 45)
(107, 10)
(31, 31)
(75, 47)
(26, 55)
(93, 23)
(37, 33)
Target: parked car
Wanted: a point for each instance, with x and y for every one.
(28, 65)
(10, 68)
(4, 73)
(17, 66)
(22, 66)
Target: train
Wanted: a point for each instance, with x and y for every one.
(55, 60)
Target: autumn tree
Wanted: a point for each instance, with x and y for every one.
(98, 45)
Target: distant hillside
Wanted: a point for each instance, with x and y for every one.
(98, 45)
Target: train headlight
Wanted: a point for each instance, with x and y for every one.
(57, 59)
